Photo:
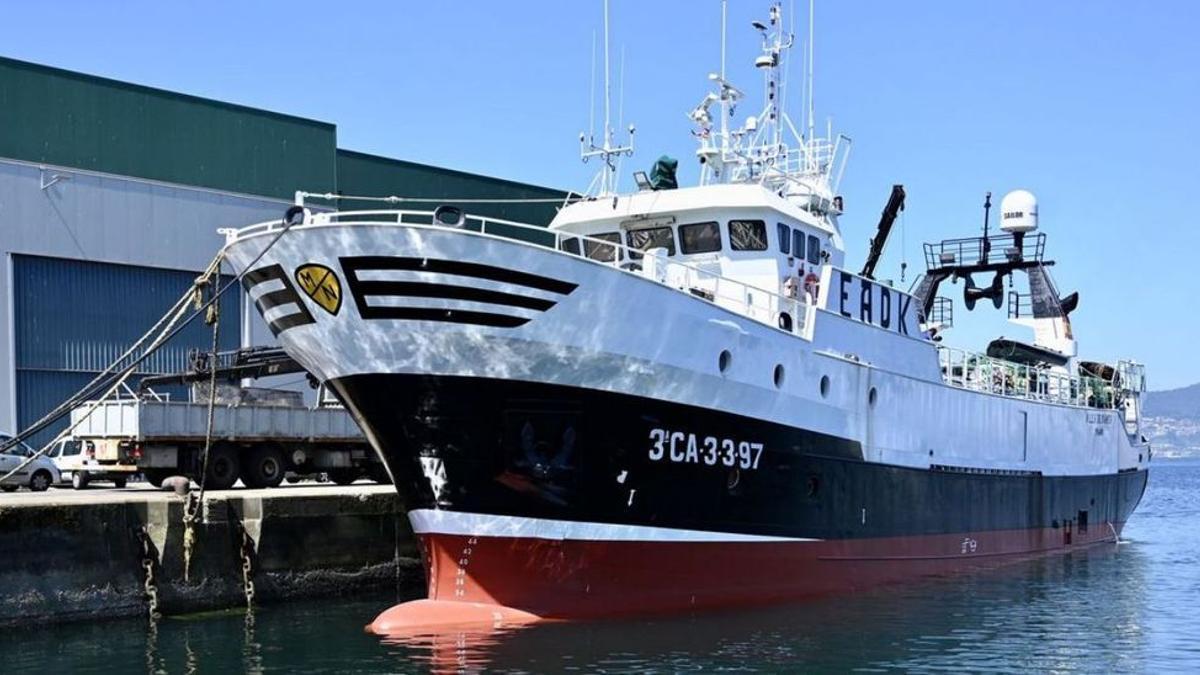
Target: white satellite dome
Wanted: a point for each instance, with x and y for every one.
(1019, 212)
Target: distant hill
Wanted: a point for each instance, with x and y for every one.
(1172, 421)
(1183, 403)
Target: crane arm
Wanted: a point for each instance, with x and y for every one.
(895, 205)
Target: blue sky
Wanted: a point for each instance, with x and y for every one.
(1091, 105)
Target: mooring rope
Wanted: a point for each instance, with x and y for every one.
(171, 330)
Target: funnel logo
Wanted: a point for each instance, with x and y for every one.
(321, 284)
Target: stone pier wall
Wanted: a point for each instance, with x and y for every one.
(73, 559)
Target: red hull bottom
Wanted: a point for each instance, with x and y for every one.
(513, 580)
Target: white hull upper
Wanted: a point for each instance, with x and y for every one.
(621, 332)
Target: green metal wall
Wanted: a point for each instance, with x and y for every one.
(59, 117)
(371, 175)
(70, 119)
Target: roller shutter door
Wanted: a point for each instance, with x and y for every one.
(72, 318)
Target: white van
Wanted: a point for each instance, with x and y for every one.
(75, 459)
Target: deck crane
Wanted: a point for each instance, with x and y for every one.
(895, 205)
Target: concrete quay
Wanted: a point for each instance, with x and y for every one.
(84, 555)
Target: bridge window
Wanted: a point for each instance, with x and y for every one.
(602, 252)
(814, 250)
(570, 246)
(785, 238)
(700, 237)
(798, 243)
(747, 235)
(651, 237)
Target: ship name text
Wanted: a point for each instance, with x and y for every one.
(875, 303)
(682, 447)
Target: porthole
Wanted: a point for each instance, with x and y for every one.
(779, 374)
(824, 386)
(872, 396)
(724, 360)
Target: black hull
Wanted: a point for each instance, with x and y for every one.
(535, 450)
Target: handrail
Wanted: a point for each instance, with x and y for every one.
(767, 307)
(781, 163)
(941, 313)
(979, 372)
(999, 248)
(1020, 305)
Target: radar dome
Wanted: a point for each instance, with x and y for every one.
(1019, 212)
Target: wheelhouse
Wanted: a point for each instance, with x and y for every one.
(742, 232)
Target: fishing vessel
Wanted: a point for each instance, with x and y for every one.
(681, 398)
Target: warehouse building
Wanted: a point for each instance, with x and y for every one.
(111, 195)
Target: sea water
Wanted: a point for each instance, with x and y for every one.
(1129, 607)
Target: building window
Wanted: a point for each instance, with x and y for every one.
(652, 237)
(700, 237)
(602, 252)
(785, 238)
(814, 250)
(747, 235)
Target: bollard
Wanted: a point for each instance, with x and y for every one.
(179, 484)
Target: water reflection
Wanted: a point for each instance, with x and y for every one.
(463, 650)
(1046, 614)
(1108, 609)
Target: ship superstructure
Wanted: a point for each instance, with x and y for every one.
(680, 398)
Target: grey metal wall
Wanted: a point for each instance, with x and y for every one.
(90, 218)
(72, 318)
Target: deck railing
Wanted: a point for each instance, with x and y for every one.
(997, 248)
(773, 309)
(979, 372)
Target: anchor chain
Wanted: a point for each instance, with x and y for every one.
(149, 583)
(191, 508)
(247, 557)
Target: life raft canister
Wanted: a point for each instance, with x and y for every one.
(812, 285)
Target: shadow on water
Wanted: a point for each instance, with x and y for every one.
(1112, 608)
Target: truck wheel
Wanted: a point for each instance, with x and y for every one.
(343, 476)
(156, 477)
(40, 482)
(223, 467)
(79, 480)
(119, 481)
(264, 467)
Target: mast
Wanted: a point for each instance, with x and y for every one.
(607, 84)
(768, 148)
(724, 99)
(605, 181)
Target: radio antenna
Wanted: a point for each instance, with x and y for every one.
(986, 248)
(605, 182)
(811, 57)
(592, 91)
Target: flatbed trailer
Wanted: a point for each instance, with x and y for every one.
(255, 442)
